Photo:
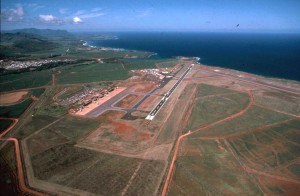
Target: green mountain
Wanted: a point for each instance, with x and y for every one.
(44, 32)
(14, 44)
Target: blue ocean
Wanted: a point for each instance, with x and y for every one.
(274, 55)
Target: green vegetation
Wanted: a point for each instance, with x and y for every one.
(295, 169)
(105, 54)
(146, 179)
(4, 124)
(206, 90)
(132, 64)
(91, 73)
(14, 111)
(211, 109)
(37, 92)
(47, 106)
(8, 181)
(271, 147)
(203, 168)
(24, 80)
(15, 43)
(74, 127)
(36, 123)
(70, 92)
(255, 117)
(279, 101)
(95, 172)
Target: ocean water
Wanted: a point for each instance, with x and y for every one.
(275, 55)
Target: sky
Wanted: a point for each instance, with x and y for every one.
(153, 15)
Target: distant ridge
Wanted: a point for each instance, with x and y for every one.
(43, 32)
(16, 44)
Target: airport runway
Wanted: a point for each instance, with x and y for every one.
(167, 95)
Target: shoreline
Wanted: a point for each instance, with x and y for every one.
(198, 60)
(259, 59)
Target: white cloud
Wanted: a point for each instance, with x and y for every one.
(47, 18)
(51, 19)
(83, 14)
(96, 9)
(13, 14)
(35, 6)
(144, 13)
(63, 10)
(77, 20)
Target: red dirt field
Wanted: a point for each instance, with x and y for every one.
(122, 128)
(145, 104)
(129, 101)
(273, 186)
(10, 98)
(144, 87)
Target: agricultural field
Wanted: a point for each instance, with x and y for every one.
(14, 111)
(253, 150)
(25, 80)
(91, 73)
(8, 171)
(206, 168)
(271, 148)
(254, 118)
(4, 124)
(278, 101)
(95, 172)
(212, 105)
(133, 64)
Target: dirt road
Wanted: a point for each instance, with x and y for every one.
(171, 169)
(21, 178)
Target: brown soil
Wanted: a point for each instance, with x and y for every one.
(10, 98)
(129, 101)
(146, 103)
(273, 186)
(144, 87)
(122, 128)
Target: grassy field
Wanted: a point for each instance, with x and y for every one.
(47, 106)
(4, 124)
(210, 109)
(95, 172)
(70, 92)
(91, 73)
(34, 124)
(8, 170)
(131, 64)
(255, 117)
(203, 168)
(105, 54)
(206, 90)
(24, 80)
(14, 111)
(74, 128)
(271, 147)
(37, 92)
(279, 101)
